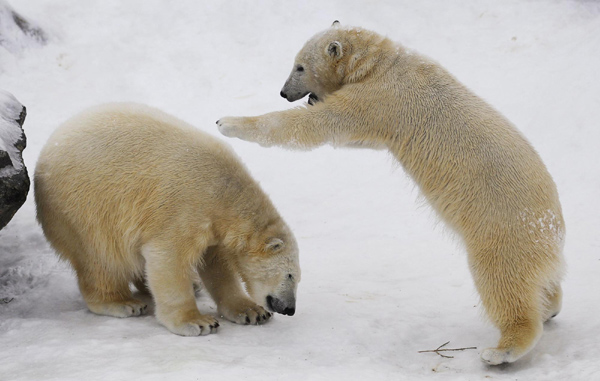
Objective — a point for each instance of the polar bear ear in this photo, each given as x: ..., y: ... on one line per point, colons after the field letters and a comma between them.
x: 274, y: 245
x: 336, y: 24
x: 334, y: 49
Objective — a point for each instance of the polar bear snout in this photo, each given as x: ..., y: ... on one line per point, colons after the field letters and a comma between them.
x: 285, y: 306
x: 293, y: 96
x: 283, y: 299
x: 294, y: 88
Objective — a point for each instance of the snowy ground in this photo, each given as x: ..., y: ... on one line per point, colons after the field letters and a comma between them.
x: 382, y: 279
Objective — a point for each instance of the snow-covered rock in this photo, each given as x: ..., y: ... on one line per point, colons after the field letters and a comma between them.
x: 16, y: 32
x: 14, y: 181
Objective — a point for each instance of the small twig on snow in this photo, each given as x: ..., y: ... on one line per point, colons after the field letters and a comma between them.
x: 7, y: 300
x: 439, y: 349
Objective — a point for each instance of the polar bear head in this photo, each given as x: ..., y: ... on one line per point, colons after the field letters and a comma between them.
x: 327, y: 61
x: 270, y: 268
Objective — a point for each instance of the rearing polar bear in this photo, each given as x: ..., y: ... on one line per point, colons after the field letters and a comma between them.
x: 477, y: 171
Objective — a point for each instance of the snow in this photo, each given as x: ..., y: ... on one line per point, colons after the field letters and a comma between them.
x: 12, y: 37
x: 381, y: 278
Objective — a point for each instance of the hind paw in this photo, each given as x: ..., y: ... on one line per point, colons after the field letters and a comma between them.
x: 119, y: 309
x: 496, y: 356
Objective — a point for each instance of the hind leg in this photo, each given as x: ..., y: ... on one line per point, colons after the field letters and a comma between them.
x: 553, y: 298
x: 512, y: 303
x: 106, y: 292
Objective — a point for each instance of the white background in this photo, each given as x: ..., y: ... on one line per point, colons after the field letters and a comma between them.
x: 382, y: 279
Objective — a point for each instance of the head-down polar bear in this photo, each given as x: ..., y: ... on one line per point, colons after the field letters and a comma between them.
x: 127, y: 193
x: 477, y: 171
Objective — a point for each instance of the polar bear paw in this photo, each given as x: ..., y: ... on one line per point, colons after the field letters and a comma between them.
x: 122, y: 309
x: 198, y: 325
x: 235, y: 127
x: 497, y: 356
x: 246, y: 312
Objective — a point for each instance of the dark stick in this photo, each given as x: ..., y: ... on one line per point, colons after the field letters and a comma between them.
x: 439, y: 349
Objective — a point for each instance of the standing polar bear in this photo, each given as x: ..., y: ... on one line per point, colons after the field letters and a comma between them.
x: 127, y: 193
x: 476, y: 170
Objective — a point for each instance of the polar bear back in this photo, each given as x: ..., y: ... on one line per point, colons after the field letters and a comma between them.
x: 169, y: 175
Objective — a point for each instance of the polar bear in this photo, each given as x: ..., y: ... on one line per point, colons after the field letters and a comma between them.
x: 127, y: 193
x: 477, y: 171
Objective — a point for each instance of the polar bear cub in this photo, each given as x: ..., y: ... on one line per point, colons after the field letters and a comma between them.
x: 477, y: 171
x: 127, y: 193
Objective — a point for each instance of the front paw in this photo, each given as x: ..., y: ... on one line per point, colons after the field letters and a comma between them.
x: 192, y: 323
x: 235, y: 127
x: 246, y: 312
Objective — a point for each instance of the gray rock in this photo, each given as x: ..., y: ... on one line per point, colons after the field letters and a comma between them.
x: 14, y: 180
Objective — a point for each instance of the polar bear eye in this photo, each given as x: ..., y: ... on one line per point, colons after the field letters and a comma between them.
x: 299, y: 68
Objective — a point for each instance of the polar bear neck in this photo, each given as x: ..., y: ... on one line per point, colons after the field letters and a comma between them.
x: 248, y: 214
x: 367, y: 55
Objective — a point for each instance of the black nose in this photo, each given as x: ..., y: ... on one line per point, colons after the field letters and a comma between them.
x: 283, y: 95
x: 281, y: 307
